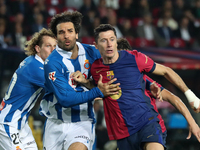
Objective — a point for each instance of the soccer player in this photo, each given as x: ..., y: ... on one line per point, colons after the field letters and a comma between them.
x: 25, y: 87
x: 123, y: 44
x: 130, y: 117
x: 67, y: 105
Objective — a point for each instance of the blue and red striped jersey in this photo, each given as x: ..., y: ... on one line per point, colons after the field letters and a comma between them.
x: 153, y: 102
x: 131, y: 109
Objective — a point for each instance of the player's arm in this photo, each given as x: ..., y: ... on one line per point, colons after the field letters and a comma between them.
x: 106, y: 88
x: 175, y: 79
x: 178, y: 104
x: 65, y: 91
x: 154, y: 89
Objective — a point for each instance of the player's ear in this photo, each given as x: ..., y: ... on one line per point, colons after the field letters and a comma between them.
x: 37, y: 48
x: 95, y: 44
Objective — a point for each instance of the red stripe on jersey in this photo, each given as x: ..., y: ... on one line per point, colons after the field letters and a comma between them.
x: 153, y: 103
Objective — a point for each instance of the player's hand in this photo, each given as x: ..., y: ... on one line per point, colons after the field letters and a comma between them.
x: 78, y: 77
x: 156, y: 91
x: 108, y: 88
x: 192, y: 106
x: 193, y: 100
x: 195, y: 130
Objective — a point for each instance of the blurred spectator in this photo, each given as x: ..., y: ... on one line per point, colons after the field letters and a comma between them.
x: 18, y: 37
x: 179, y: 7
x: 38, y: 24
x: 89, y: 11
x: 5, y: 38
x: 167, y: 5
x: 74, y: 3
x: 148, y: 31
x: 172, y: 23
x: 19, y: 19
x: 95, y: 24
x: 42, y: 8
x: 196, y: 9
x: 164, y: 31
x: 20, y: 6
x: 87, y: 6
x: 112, y: 19
x: 185, y: 32
x: 102, y: 8
x: 4, y: 11
x: 193, y: 21
x: 114, y: 4
x: 127, y: 29
x: 127, y: 9
x: 142, y: 8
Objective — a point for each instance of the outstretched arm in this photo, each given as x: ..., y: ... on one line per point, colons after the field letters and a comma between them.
x: 175, y: 79
x: 178, y: 104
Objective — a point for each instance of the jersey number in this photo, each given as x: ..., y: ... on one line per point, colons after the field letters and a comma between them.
x: 15, y: 136
x: 11, y: 86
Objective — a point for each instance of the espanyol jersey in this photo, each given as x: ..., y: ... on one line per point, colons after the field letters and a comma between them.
x: 65, y: 99
x: 25, y: 87
x: 153, y: 102
x: 127, y: 112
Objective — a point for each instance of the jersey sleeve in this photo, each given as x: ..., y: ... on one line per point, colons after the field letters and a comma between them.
x: 37, y: 78
x: 144, y: 63
x: 56, y: 82
x: 149, y: 81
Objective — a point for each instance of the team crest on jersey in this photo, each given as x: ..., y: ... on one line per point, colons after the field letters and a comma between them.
x: 87, y: 64
x: 18, y: 148
x: 110, y: 75
x: 52, y: 76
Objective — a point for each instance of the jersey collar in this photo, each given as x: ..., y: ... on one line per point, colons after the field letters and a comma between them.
x: 39, y: 59
x: 81, y: 50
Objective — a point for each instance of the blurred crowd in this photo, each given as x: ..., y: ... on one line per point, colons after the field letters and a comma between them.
x: 159, y: 23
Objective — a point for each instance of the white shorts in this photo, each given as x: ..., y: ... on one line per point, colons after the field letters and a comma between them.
x: 15, y: 139
x: 59, y: 135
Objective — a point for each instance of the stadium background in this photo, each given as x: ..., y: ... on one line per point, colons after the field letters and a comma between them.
x: 19, y: 19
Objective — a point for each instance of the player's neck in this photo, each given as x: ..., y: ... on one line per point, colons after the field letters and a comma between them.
x: 74, y: 52
x: 110, y: 60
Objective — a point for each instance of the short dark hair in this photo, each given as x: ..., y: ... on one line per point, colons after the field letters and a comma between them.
x: 74, y: 17
x: 123, y: 44
x: 103, y: 28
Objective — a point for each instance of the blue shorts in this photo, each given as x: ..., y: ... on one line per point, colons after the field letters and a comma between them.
x: 149, y: 133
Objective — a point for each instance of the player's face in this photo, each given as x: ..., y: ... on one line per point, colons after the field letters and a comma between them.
x: 48, y: 45
x: 107, y: 45
x: 66, y: 36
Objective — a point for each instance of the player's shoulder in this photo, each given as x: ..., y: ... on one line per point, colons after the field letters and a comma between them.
x: 30, y: 66
x: 90, y: 48
x: 53, y: 58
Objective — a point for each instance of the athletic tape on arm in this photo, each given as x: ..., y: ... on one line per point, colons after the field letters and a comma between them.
x: 192, y: 98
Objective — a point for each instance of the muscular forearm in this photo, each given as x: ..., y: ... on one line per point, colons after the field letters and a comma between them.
x: 171, y: 76
x: 178, y: 104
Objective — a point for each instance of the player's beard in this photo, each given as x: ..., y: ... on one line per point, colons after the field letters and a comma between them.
x: 70, y: 47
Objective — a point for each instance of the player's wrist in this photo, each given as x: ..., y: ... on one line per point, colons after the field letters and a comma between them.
x: 191, y: 97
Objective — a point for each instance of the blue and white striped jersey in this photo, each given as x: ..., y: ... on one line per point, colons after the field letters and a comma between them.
x: 25, y: 87
x: 65, y: 99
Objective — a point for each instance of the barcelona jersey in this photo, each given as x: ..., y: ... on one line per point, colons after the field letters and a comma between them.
x: 129, y: 110
x: 153, y: 102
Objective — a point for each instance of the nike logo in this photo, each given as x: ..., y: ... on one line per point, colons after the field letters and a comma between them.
x: 41, y: 68
x: 98, y: 71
